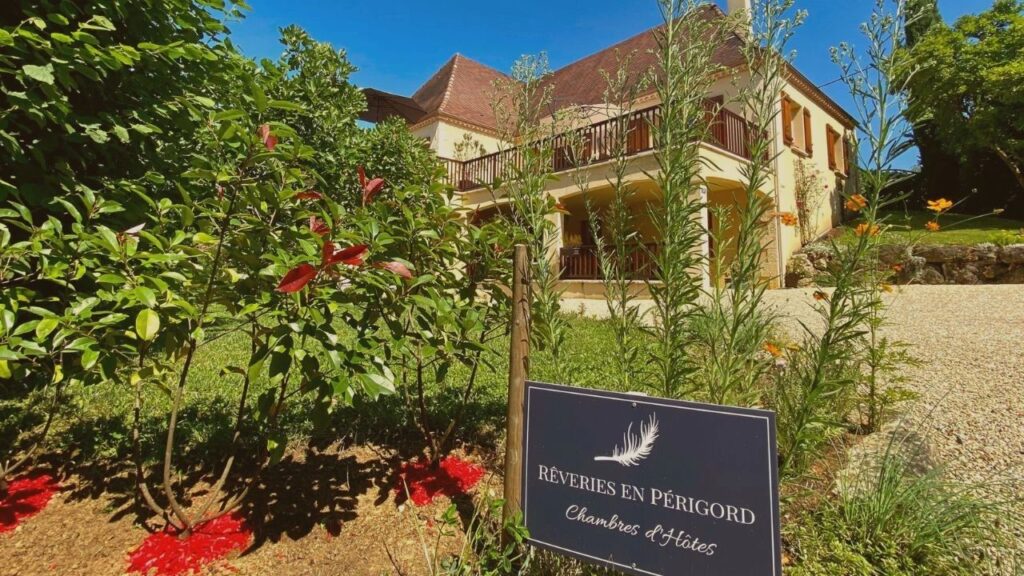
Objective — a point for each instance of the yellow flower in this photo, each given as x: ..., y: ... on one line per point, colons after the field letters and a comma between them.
x: 856, y: 203
x: 772, y: 349
x: 865, y: 228
x: 788, y: 218
x: 932, y: 226
x: 886, y: 287
x: 939, y: 206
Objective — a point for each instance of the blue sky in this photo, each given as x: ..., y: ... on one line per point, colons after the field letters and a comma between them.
x: 398, y: 44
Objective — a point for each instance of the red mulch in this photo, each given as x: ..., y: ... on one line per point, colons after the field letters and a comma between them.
x: 453, y: 476
x: 165, y: 554
x: 26, y: 497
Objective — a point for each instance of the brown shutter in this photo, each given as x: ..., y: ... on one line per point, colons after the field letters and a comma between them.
x: 846, y: 155
x: 808, y: 140
x: 830, y: 140
x: 787, y: 120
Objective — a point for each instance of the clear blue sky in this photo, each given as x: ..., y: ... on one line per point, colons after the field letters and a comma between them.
x: 398, y: 44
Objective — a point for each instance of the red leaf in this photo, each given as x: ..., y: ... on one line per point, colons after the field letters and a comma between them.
x: 317, y: 226
x: 269, y: 140
x: 309, y: 195
x: 396, y: 267
x: 352, y: 256
x: 362, y: 176
x: 326, y: 253
x: 371, y: 189
x: 296, y: 278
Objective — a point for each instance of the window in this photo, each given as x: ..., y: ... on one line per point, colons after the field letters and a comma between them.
x: 838, y: 151
x: 796, y: 126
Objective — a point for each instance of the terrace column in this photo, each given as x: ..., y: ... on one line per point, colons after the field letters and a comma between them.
x: 555, y: 250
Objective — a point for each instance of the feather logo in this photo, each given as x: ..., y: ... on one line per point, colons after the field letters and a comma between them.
x: 634, y: 447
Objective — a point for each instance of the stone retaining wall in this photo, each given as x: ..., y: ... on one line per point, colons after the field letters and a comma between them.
x: 924, y: 264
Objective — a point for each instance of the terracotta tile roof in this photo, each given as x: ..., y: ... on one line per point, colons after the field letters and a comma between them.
x: 462, y: 89
x: 582, y: 83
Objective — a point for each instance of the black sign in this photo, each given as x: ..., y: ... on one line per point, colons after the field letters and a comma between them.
x: 651, y: 486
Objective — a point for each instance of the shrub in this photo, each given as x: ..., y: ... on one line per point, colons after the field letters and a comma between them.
x: 892, y: 520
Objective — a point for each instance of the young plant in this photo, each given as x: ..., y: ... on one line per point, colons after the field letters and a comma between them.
x: 616, y: 240
x: 893, y: 518
x: 816, y: 392
x: 735, y: 322
x: 522, y: 107
x: 686, y: 69
x: 435, y: 315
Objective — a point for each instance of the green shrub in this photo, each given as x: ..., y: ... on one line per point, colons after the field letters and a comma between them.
x: 891, y: 520
x: 1007, y: 237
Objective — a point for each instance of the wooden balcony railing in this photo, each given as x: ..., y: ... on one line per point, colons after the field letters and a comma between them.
x: 729, y: 132
x: 582, y: 262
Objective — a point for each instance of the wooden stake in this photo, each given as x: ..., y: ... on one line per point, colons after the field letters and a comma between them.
x: 519, y: 369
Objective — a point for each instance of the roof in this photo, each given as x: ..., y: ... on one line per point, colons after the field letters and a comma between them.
x: 582, y: 83
x: 462, y: 89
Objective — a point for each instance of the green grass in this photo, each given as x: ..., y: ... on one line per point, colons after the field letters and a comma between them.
x: 909, y: 227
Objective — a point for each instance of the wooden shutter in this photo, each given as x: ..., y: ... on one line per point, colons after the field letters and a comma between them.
x: 846, y: 156
x: 830, y: 140
x: 787, y: 120
x: 808, y: 140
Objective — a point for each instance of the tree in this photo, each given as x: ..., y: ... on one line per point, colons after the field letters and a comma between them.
x: 940, y: 167
x: 967, y: 81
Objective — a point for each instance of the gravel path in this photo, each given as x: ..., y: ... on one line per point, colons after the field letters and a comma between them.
x: 970, y: 341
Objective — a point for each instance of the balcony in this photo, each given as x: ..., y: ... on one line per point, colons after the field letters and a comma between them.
x: 582, y: 263
x: 730, y: 132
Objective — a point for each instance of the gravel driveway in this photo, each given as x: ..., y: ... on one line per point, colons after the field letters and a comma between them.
x: 970, y: 341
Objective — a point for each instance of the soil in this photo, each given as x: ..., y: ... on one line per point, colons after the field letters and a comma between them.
x: 329, y: 512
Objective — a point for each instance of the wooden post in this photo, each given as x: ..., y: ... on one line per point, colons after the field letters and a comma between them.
x: 519, y: 368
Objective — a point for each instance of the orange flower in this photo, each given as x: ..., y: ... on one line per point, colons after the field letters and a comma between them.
x: 939, y: 206
x: 819, y: 295
x: 788, y: 218
x: 932, y: 226
x: 772, y: 349
x: 897, y: 267
x: 865, y: 228
x: 559, y: 207
x: 856, y: 203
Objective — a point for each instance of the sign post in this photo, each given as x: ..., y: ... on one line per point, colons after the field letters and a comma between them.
x: 519, y: 367
x: 649, y: 486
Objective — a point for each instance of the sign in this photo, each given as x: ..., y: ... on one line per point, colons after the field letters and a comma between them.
x: 651, y: 486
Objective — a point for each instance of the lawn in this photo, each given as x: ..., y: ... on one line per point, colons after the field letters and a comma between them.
x: 909, y: 227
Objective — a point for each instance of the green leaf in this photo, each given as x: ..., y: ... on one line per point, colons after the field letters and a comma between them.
x: 5, y: 38
x: 5, y: 369
x: 375, y: 385
x: 89, y: 358
x: 260, y: 98
x: 275, y: 447
x: 285, y: 105
x: 228, y: 115
x: 147, y: 324
x: 42, y: 74
x: 45, y: 326
x: 122, y: 134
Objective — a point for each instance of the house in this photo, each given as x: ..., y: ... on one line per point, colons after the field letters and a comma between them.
x: 453, y: 111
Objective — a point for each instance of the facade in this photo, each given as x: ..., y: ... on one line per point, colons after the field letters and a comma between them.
x: 453, y: 111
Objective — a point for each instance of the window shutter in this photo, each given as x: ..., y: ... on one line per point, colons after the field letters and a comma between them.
x: 808, y: 140
x: 830, y: 140
x: 846, y: 156
x: 787, y: 120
